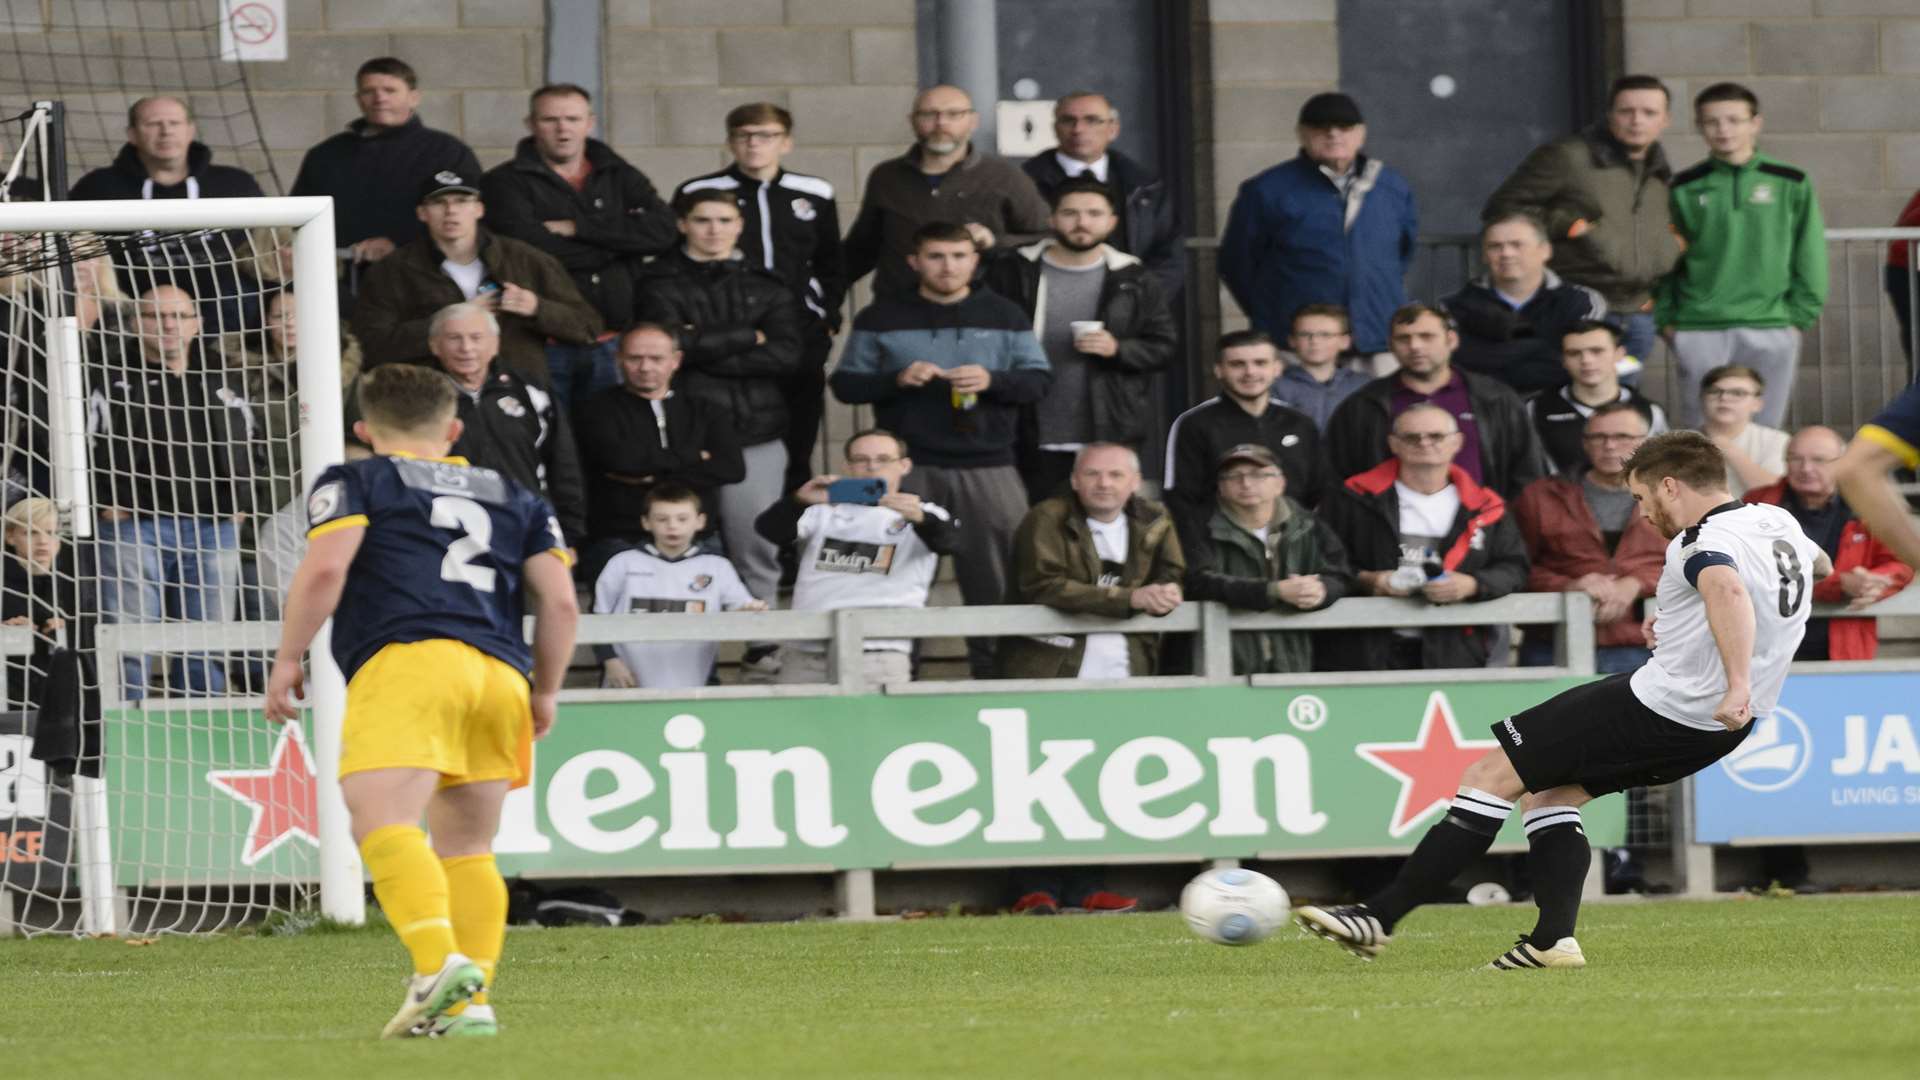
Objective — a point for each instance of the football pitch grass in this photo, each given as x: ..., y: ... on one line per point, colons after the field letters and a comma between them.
x: 1789, y: 987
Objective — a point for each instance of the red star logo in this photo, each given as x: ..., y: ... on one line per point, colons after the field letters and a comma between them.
x: 1428, y: 768
x: 281, y: 795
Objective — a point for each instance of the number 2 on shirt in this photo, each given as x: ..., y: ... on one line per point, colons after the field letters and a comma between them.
x: 454, y: 512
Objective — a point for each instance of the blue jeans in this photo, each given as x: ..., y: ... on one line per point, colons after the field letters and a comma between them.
x: 582, y: 370
x: 1637, y: 333
x: 1607, y: 659
x: 163, y: 568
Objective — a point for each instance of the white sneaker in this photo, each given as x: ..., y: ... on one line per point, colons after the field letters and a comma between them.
x: 430, y: 995
x: 1525, y: 957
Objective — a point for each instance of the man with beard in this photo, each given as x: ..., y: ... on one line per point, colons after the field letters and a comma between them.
x: 1247, y: 411
x: 944, y: 178
x: 1103, y: 322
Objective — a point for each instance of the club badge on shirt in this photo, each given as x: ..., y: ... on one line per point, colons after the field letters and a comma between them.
x: 512, y: 407
x: 700, y: 582
x: 803, y: 209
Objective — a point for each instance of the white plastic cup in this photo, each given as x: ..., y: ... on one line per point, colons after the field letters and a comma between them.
x: 1082, y: 327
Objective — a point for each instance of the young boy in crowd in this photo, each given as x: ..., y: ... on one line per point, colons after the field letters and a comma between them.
x: 669, y: 573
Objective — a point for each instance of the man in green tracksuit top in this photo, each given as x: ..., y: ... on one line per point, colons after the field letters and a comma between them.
x: 1754, y: 274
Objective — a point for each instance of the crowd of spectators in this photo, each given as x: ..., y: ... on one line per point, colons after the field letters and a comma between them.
x: 658, y: 370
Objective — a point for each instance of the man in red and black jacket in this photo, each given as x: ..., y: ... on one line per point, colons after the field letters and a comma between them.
x: 1418, y: 525
x: 1865, y: 570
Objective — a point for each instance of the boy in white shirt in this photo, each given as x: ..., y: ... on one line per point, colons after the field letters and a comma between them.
x: 1731, y: 396
x: 669, y: 573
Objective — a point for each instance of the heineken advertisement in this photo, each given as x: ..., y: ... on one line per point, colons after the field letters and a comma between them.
x: 870, y: 781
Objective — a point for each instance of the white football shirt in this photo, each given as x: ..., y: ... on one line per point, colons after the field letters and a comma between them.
x: 855, y: 556
x: 642, y: 580
x: 1763, y: 543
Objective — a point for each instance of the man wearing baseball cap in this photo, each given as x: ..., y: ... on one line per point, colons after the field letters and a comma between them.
x: 528, y: 292
x: 1331, y: 226
x: 1261, y: 551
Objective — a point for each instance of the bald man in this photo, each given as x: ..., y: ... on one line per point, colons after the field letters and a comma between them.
x: 944, y: 177
x: 1865, y: 571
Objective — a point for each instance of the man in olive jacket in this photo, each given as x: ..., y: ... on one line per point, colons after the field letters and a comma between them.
x: 1102, y: 550
x: 1261, y: 551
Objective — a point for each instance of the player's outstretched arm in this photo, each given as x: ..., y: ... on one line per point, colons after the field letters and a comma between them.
x: 1730, y: 617
x: 556, y: 615
x: 311, y: 598
x: 1866, y: 482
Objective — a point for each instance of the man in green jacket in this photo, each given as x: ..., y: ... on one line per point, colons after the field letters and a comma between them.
x: 1603, y: 194
x: 1101, y: 550
x: 1261, y: 551
x: 1755, y: 270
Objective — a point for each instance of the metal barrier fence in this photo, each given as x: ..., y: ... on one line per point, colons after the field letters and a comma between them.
x: 1851, y: 362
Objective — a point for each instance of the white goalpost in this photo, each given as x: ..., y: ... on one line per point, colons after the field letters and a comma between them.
x: 184, y: 812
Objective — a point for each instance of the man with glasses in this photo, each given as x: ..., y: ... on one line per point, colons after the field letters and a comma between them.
x: 1261, y: 551
x: 1086, y: 124
x: 1497, y: 446
x: 1331, y: 226
x: 1585, y: 534
x: 791, y: 230
x: 1318, y: 377
x: 571, y: 196
x: 943, y: 178
x: 1418, y: 525
x: 858, y: 550
x: 1591, y: 352
x: 1865, y: 571
x: 1731, y: 396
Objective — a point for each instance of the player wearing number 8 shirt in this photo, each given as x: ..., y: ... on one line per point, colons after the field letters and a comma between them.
x: 1733, y: 602
x: 422, y: 560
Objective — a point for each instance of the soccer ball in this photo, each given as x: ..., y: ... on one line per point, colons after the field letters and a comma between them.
x: 1234, y: 906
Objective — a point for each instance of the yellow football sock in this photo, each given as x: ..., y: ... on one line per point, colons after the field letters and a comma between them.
x: 478, y: 907
x: 412, y: 890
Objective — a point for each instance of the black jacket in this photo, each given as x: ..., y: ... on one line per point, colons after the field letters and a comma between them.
x: 1561, y: 425
x: 127, y: 178
x: 514, y: 427
x: 617, y: 219
x: 68, y: 594
x: 374, y: 176
x: 1203, y: 433
x: 717, y: 307
x: 898, y: 199
x: 1148, y: 227
x: 1510, y: 456
x: 171, y: 443
x: 1484, y: 542
x: 1520, y: 348
x: 1135, y: 311
x: 624, y: 452
x: 797, y: 213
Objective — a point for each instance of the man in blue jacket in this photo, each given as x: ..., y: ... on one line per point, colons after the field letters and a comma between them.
x: 947, y: 368
x: 1332, y: 226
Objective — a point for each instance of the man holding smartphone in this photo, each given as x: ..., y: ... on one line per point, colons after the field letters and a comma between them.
x: 863, y: 543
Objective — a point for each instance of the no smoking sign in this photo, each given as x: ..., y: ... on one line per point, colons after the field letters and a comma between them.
x: 253, y: 30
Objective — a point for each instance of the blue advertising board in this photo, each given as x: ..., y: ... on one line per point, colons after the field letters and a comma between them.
x: 1839, y: 759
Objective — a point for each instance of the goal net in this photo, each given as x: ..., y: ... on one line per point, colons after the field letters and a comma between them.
x: 172, y: 378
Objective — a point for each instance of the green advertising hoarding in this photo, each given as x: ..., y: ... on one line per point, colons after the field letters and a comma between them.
x: 874, y: 781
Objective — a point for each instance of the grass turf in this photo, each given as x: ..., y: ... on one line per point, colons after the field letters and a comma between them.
x: 1800, y: 987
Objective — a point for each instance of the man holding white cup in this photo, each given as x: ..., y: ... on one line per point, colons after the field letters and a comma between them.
x: 1103, y: 321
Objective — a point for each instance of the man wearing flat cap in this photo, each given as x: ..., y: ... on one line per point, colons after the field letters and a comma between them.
x: 1259, y: 550
x: 527, y: 290
x: 1331, y: 226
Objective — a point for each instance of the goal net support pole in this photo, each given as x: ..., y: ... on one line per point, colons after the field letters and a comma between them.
x: 320, y: 445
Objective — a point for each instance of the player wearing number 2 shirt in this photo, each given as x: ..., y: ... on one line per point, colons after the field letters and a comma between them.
x: 1891, y: 440
x: 426, y: 565
x: 1733, y: 602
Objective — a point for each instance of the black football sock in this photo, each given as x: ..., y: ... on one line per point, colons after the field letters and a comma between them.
x: 1557, y: 859
x: 1456, y: 840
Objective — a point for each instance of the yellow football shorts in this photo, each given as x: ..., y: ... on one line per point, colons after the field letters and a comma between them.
x: 442, y: 705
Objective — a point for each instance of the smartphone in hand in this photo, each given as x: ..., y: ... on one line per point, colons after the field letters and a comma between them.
x: 857, y: 490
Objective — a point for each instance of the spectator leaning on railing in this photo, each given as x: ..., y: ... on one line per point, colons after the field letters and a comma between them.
x: 1865, y: 571
x: 1101, y: 550
x: 1418, y: 525
x: 1261, y: 551
x: 1584, y: 533
x: 871, y: 548
x: 672, y: 572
